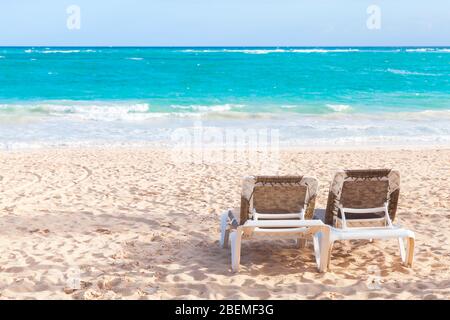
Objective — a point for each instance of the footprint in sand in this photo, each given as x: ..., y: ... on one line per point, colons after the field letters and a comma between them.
x: 40, y: 231
x: 103, y: 231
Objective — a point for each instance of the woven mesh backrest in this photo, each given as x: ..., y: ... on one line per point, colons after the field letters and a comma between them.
x: 279, y: 198
x: 363, y: 189
x: 278, y: 194
x: 364, y: 194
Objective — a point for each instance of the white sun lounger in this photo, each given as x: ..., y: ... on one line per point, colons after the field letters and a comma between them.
x: 361, y: 206
x: 403, y: 236
x: 284, y: 228
x: 323, y: 237
x: 274, y: 206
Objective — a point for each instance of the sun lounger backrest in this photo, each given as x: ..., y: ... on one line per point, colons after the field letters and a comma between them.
x: 363, y: 189
x: 279, y: 198
x: 278, y: 194
x: 364, y: 194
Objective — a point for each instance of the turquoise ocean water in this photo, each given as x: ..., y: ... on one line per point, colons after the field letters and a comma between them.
x: 313, y: 96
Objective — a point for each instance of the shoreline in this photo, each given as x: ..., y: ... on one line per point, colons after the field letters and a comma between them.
x: 282, y: 148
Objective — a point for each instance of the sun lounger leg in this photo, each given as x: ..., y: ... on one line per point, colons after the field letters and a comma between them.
x: 328, y: 261
x: 321, y: 241
x: 409, y: 252
x: 301, y: 243
x: 236, y: 237
x: 317, y: 248
x: 224, y: 231
x: 401, y: 245
x: 325, y: 252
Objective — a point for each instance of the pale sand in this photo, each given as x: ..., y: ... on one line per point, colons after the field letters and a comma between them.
x: 140, y: 225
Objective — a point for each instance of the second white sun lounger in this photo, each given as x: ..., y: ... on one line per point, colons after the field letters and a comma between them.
x: 362, y: 205
x: 274, y: 206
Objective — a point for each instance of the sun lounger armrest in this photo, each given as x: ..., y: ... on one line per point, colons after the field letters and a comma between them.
x: 282, y: 223
x: 232, y: 220
x: 370, y: 233
x: 365, y: 210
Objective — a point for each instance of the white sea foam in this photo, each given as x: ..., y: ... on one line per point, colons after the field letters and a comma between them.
x: 310, y: 50
x: 420, y: 50
x: 428, y: 50
x: 288, y: 106
x: 128, y: 123
x: 247, y: 51
x: 379, y: 117
x: 209, y: 108
x: 302, y: 131
x: 419, y: 115
x: 125, y: 111
x: 339, y: 107
x: 60, y: 51
x: 411, y: 73
x: 104, y: 108
x: 47, y: 51
x: 323, y: 50
x: 314, y: 50
x: 267, y: 51
x: 259, y: 51
x: 135, y: 58
x: 110, y: 112
x: 86, y: 111
x: 105, y: 111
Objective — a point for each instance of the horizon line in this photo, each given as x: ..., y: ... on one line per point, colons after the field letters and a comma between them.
x: 224, y: 46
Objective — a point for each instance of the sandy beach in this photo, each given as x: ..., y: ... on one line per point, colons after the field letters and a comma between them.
x: 138, y: 224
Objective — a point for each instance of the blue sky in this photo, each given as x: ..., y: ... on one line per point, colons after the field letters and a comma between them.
x: 225, y: 23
